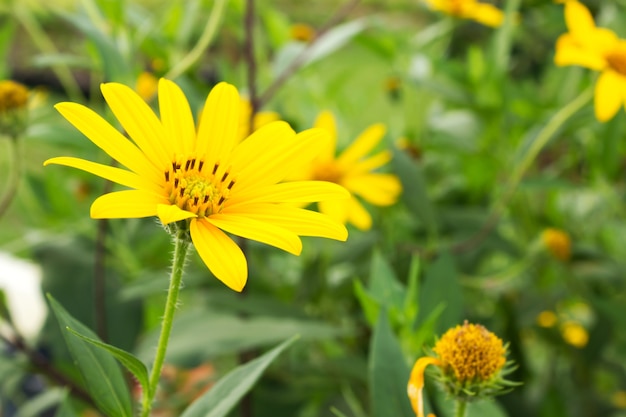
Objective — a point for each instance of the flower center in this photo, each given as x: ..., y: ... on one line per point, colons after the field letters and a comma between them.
x: 191, y: 186
x: 617, y: 61
x: 328, y: 172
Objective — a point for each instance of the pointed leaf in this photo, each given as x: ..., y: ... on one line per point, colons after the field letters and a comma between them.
x: 388, y: 373
x: 225, y: 394
x: 133, y: 364
x: 101, y: 373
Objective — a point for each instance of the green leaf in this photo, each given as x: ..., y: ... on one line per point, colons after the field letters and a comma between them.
x: 102, y: 375
x: 225, y: 394
x: 441, y: 287
x: 388, y: 373
x: 417, y: 199
x: 383, y: 284
x: 66, y: 409
x: 369, y: 304
x: 41, y: 403
x: 133, y: 364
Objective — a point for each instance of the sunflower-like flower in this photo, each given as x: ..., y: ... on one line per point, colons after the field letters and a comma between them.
x: 598, y: 49
x: 205, y: 182
x: 471, y: 362
x: 558, y: 243
x: 484, y: 13
x: 353, y: 170
x: 13, y: 107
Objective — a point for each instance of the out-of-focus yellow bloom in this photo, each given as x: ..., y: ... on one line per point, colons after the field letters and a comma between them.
x: 547, y: 319
x: 13, y: 108
x: 598, y: 49
x: 260, y: 119
x: 205, y: 182
x: 147, y: 85
x: 353, y: 169
x: 302, y: 32
x: 558, y: 243
x: 574, y: 334
x: 618, y: 399
x: 483, y: 13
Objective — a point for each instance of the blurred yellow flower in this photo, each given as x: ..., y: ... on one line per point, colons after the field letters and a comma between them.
x: 484, y: 13
x: 598, y: 49
x: 574, y: 334
x: 618, y: 399
x: 302, y: 32
x: 205, y: 182
x: 13, y: 108
x: 547, y: 319
x: 147, y: 85
x: 260, y: 119
x: 353, y: 170
x: 558, y: 243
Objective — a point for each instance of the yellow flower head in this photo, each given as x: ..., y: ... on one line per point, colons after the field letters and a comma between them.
x: 574, y: 334
x: 302, y: 32
x: 353, y: 170
x: 547, y: 319
x: 598, y: 49
x: 483, y: 13
x: 470, y: 353
x: 13, y: 108
x: 205, y: 181
x: 147, y: 85
x: 558, y: 243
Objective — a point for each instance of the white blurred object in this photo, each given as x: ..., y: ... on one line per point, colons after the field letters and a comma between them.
x: 20, y: 281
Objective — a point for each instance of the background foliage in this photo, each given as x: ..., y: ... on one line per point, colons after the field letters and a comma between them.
x: 463, y: 105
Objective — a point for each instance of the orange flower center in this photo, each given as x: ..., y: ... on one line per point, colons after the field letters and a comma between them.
x: 328, y: 171
x: 193, y: 189
x: 617, y: 61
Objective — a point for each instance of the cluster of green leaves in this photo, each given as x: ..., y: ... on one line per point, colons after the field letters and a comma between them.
x: 464, y: 242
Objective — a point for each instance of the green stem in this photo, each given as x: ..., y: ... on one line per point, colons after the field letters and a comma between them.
x: 542, y: 138
x: 203, y: 43
x: 460, y: 409
x: 181, y: 245
x: 9, y: 194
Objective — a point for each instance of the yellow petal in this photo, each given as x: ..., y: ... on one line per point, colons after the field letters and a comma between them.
x: 570, y: 52
x: 487, y: 14
x: 364, y: 143
x: 117, y: 175
x: 357, y: 215
x: 416, y: 383
x: 335, y: 209
x: 139, y: 121
x: 291, y: 192
x: 609, y: 94
x: 219, y: 124
x: 169, y: 213
x: 177, y: 120
x: 371, y: 163
x: 248, y: 228
x: 111, y: 141
x: 578, y: 19
x: 128, y: 204
x: 299, y: 221
x: 220, y: 254
x: 325, y: 120
x: 378, y: 189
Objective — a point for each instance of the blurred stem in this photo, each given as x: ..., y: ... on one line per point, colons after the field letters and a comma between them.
x: 45, y: 45
x: 14, y: 177
x: 251, y: 63
x: 542, y: 138
x: 461, y: 408
x: 203, y: 43
x: 181, y: 246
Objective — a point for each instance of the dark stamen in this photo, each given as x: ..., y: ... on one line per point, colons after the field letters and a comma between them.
x: 224, y: 176
x: 177, y: 166
x: 182, y: 191
x: 230, y: 185
x: 174, y: 166
x: 221, y: 200
x: 187, y: 165
x: 206, y: 198
x: 167, y: 176
x: 200, y: 165
x: 215, y: 168
x: 195, y: 200
x: 193, y: 163
x: 175, y: 182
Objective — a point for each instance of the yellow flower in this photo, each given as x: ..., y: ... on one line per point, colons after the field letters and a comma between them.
x: 205, y: 181
x: 598, y: 49
x: 353, y: 170
x: 147, y: 85
x: 574, y: 334
x: 416, y: 383
x: 484, y: 13
x: 13, y: 108
x: 260, y: 119
x: 547, y: 319
x: 558, y: 243
x: 302, y: 32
